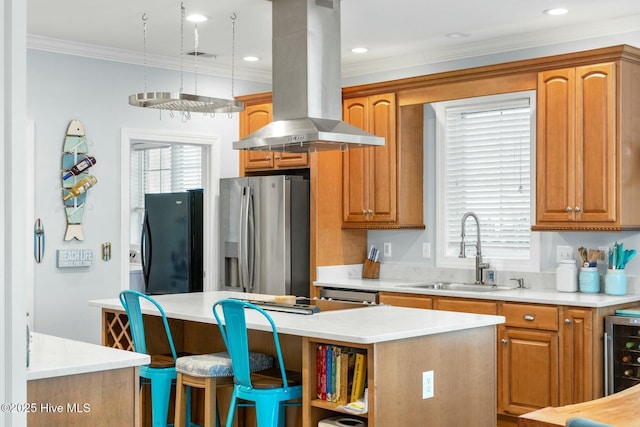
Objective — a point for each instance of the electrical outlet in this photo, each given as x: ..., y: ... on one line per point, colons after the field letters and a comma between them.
x: 387, y: 249
x: 563, y: 253
x: 426, y: 250
x: 427, y: 385
x: 604, y: 254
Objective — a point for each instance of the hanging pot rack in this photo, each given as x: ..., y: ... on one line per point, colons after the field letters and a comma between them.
x: 185, y: 102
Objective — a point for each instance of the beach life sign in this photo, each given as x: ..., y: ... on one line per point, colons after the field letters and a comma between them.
x: 73, y: 258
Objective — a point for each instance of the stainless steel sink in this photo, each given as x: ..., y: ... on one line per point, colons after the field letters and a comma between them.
x: 465, y: 287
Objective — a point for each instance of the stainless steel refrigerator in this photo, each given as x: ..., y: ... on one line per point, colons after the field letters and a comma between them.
x: 172, y: 242
x: 264, y: 235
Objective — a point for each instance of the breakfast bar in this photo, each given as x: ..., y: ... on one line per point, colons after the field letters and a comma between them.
x: 402, y: 346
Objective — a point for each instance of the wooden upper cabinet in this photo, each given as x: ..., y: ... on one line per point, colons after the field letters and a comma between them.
x: 373, y: 196
x: 370, y: 172
x: 582, y: 138
x: 255, y: 117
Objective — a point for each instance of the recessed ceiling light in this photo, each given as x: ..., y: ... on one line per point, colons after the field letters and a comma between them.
x: 457, y: 35
x: 359, y: 50
x: 196, y: 17
x: 251, y: 58
x: 556, y: 11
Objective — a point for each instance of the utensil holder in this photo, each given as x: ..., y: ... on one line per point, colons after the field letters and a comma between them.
x: 615, y: 282
x: 371, y: 269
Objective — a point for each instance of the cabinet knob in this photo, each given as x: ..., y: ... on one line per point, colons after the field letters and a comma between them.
x: 505, y: 341
x: 370, y: 211
x: 568, y: 209
x: 529, y: 317
x: 567, y: 321
x: 364, y: 211
x: 577, y: 209
x: 268, y: 158
x: 277, y: 157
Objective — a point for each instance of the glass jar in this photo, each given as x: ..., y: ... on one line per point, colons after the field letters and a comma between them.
x: 589, y: 280
x: 615, y: 282
x: 567, y: 276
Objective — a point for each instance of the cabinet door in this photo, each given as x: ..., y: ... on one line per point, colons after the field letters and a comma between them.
x: 370, y: 173
x: 253, y: 118
x: 596, y: 143
x: 528, y: 370
x: 555, y: 149
x: 405, y: 300
x: 466, y: 306
x: 577, y: 358
x: 382, y: 160
x: 292, y: 160
x: 355, y: 203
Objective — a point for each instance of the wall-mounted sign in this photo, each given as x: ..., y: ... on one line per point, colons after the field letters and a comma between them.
x: 66, y: 258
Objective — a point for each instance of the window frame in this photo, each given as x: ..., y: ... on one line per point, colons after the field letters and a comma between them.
x: 443, y: 260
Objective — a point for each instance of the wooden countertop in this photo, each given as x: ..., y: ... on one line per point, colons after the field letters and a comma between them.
x: 621, y: 409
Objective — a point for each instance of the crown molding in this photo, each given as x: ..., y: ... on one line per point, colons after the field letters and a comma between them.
x: 498, y: 45
x: 429, y: 56
x: 67, y: 47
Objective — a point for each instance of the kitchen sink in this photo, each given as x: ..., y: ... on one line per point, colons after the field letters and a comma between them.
x: 466, y: 287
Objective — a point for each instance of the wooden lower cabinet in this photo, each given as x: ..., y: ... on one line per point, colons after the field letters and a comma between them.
x: 548, y: 355
x: 527, y: 371
x: 577, y: 361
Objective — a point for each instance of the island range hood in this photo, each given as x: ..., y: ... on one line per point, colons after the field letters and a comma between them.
x: 307, y: 94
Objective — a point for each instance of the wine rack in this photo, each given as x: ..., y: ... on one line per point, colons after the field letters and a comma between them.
x: 623, y: 356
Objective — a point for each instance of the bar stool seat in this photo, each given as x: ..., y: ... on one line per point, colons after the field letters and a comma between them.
x: 208, y: 371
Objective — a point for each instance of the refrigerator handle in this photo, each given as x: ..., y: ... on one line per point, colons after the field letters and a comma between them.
x: 251, y: 240
x: 243, y: 240
x: 145, y: 238
x: 606, y: 364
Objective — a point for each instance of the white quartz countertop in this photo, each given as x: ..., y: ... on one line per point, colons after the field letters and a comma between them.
x: 541, y: 296
x: 366, y: 325
x: 55, y: 357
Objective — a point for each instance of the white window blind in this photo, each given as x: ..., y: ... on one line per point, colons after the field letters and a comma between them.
x: 161, y: 169
x: 486, y: 169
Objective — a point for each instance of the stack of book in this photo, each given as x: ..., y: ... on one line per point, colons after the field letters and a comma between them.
x: 341, y: 373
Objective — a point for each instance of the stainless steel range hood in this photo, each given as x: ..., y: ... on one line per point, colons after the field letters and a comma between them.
x: 307, y: 94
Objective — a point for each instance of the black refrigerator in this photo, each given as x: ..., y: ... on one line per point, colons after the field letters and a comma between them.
x: 171, y: 244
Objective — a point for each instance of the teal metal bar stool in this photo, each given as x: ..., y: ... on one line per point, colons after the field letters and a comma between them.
x: 583, y: 422
x: 269, y: 391
x: 161, y: 372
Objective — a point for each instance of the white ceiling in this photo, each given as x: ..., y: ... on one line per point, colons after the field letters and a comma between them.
x: 398, y: 33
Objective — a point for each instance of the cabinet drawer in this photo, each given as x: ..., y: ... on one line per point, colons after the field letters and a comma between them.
x: 531, y: 316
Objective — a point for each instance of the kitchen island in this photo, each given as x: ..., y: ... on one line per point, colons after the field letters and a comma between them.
x: 401, y: 344
x: 76, y: 383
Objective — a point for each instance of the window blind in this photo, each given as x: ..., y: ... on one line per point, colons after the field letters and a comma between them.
x: 487, y: 171
x: 161, y: 169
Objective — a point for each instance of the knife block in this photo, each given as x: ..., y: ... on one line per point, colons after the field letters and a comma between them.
x: 371, y: 269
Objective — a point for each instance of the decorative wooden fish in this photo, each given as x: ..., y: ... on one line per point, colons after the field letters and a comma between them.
x: 75, y: 180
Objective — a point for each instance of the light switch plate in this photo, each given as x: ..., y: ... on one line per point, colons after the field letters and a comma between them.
x: 564, y: 253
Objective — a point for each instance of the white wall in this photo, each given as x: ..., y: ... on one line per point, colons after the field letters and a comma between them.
x: 64, y: 87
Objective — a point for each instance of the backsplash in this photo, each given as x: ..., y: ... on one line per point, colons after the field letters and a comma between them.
x: 408, y: 272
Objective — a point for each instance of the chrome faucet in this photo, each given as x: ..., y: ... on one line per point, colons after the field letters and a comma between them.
x: 479, y: 264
